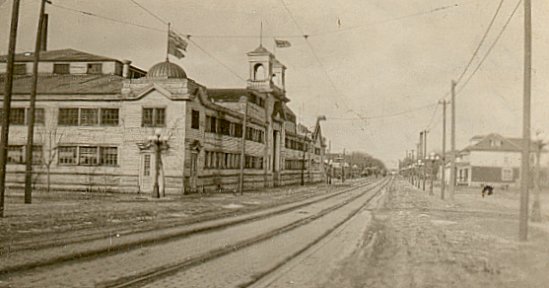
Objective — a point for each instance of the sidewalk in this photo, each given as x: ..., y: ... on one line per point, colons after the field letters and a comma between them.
x: 423, y: 241
x: 87, y: 225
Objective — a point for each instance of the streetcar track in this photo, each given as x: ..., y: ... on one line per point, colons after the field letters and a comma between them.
x: 316, y: 241
x: 88, y: 237
x: 111, y: 250
x: 167, y: 270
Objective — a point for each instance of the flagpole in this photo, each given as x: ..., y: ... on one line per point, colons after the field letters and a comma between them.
x: 168, y: 44
x: 274, y: 46
x: 261, y: 34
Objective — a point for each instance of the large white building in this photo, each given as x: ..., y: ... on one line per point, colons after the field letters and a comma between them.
x: 492, y: 159
x: 96, y: 116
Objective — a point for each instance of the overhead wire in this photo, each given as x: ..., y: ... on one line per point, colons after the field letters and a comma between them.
x: 504, y: 27
x: 216, y: 59
x: 155, y: 29
x: 149, y: 12
x: 429, y: 126
x: 330, y: 80
x: 415, y: 109
x: 90, y: 14
x: 422, y: 13
x: 481, y: 42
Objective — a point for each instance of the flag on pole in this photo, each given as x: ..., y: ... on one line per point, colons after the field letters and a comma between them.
x: 176, y: 45
x: 282, y: 43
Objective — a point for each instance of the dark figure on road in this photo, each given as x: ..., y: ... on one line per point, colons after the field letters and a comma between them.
x: 487, y: 190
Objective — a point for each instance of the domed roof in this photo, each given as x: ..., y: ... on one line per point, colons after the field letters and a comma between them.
x: 166, y: 70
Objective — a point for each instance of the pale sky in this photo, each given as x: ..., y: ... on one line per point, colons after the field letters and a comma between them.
x: 382, y: 63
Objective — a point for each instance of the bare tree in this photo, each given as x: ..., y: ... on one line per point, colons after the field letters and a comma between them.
x: 53, y: 138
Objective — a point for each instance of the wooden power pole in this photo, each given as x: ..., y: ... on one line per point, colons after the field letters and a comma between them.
x: 32, y: 104
x: 443, y: 158
x: 525, y: 163
x: 7, y: 102
x: 243, y: 147
x: 453, y: 142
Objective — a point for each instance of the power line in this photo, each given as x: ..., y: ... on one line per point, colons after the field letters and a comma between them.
x: 385, y: 115
x: 432, y: 118
x: 153, y: 29
x: 150, y: 12
x: 481, y: 41
x: 216, y: 59
x: 491, y: 47
x: 330, y: 80
x: 435, y: 10
x: 90, y: 14
x: 193, y: 42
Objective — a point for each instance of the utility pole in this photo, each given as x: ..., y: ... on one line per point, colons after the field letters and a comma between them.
x: 443, y: 158
x: 525, y: 163
x: 303, y: 160
x: 343, y: 168
x: 453, y: 142
x: 243, y: 146
x: 424, y: 158
x: 412, y: 172
x: 32, y: 104
x: 7, y: 102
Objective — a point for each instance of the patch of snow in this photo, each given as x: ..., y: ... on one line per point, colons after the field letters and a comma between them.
x: 232, y: 206
x: 443, y: 222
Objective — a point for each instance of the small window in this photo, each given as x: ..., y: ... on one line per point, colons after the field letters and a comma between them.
x: 109, y: 156
x: 89, y: 117
x: 147, y: 120
x: 224, y: 127
x: 109, y: 117
x: 20, y: 69
x: 147, y: 165
x: 67, y: 155
x: 61, y: 68
x: 39, y: 116
x: 195, y: 119
x: 507, y: 174
x: 17, y: 116
x: 88, y: 156
x: 68, y: 116
x: 213, y: 124
x: 237, y: 130
x: 15, y: 154
x: 95, y: 68
x: 154, y: 117
x: 160, y: 117
x: 37, y: 154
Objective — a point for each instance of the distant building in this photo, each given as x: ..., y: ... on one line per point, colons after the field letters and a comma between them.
x: 95, y: 116
x: 491, y: 159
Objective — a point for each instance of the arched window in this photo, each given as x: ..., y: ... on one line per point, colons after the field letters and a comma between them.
x: 275, y: 80
x: 259, y: 72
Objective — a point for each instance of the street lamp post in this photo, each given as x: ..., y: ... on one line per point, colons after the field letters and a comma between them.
x: 540, y: 141
x: 303, y: 160
x: 433, y: 158
x: 419, y: 169
x: 158, y: 143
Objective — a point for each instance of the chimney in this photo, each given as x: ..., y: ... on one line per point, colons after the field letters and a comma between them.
x: 44, y: 34
x: 126, y: 68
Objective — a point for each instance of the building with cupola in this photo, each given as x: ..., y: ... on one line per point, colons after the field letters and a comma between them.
x: 96, y: 117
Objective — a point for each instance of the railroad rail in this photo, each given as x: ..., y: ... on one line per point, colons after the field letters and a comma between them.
x: 370, y: 192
